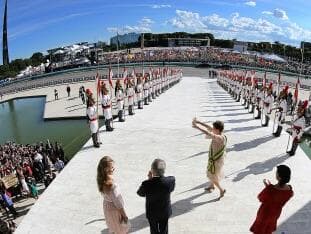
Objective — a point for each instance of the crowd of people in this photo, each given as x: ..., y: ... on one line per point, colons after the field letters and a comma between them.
x: 207, y: 55
x: 23, y: 167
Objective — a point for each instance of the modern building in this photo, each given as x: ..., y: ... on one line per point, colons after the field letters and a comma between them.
x: 5, y: 48
x: 124, y: 39
x: 240, y: 46
x: 192, y: 42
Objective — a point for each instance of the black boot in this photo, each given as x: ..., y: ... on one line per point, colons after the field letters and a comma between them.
x: 108, y: 125
x: 294, y: 148
x: 266, y: 118
x: 120, y: 115
x: 149, y: 98
x: 253, y: 109
x: 259, y: 114
x: 278, y: 131
x: 131, y: 110
x: 146, y: 101
x: 95, y: 140
x: 140, y: 106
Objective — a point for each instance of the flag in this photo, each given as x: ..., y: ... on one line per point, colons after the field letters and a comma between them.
x: 296, y: 90
x: 125, y: 78
x: 134, y: 73
x: 253, y: 78
x: 142, y: 41
x: 118, y: 41
x: 264, y: 80
x: 279, y: 79
x: 110, y: 75
x: 98, y: 84
x: 150, y: 72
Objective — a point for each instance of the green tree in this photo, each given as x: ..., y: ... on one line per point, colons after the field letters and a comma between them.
x: 37, y: 58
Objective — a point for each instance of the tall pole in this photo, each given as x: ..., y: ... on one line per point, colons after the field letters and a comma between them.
x: 118, y: 53
x: 5, y: 49
x: 142, y: 42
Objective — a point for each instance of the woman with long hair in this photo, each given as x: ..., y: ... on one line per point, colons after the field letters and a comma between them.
x: 116, y: 218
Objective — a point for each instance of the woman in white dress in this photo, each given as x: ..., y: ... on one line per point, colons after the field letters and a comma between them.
x: 115, y: 216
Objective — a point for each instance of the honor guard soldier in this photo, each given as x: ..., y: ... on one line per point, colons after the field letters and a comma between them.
x: 89, y: 95
x: 268, y: 102
x: 150, y: 89
x: 259, y: 102
x: 139, y: 91
x: 146, y: 91
x: 107, y: 109
x: 119, y: 94
x: 91, y: 113
x: 280, y: 113
x: 130, y: 95
x: 298, y: 126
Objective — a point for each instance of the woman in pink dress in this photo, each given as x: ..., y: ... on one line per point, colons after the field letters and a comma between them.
x: 116, y: 218
x: 272, y: 198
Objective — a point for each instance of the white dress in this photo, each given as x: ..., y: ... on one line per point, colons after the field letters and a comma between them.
x: 113, y: 201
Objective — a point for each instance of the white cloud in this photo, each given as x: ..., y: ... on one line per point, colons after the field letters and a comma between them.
x: 216, y: 20
x: 188, y: 20
x: 143, y: 26
x: 250, y: 3
x: 267, y: 13
x: 281, y: 14
x: 161, y: 6
x: 240, y: 27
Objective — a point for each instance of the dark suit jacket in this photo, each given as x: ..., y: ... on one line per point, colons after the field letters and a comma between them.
x: 158, y: 196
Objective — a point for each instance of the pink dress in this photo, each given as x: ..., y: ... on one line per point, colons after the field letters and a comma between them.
x: 113, y: 201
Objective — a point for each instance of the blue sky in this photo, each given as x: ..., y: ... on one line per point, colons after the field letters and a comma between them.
x: 38, y: 25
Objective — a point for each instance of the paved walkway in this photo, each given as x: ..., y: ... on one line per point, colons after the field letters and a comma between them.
x: 72, y: 204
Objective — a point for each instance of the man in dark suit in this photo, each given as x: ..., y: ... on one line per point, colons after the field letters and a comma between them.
x: 157, y: 190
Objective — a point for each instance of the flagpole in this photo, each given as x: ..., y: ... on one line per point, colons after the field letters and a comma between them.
x: 118, y: 53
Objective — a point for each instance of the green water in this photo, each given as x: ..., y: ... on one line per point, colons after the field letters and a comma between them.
x: 22, y: 121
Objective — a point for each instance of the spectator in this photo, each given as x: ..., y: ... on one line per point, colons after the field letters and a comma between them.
x: 157, y: 190
x: 7, y: 201
x: 59, y: 165
x: 33, y: 188
x: 56, y: 94
x: 68, y: 90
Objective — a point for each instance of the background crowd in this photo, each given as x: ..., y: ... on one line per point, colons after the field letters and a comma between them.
x: 23, y: 168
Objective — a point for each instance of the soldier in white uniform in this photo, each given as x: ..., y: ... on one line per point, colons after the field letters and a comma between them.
x: 259, y: 102
x: 280, y: 113
x: 139, y: 92
x: 268, y: 102
x: 119, y: 94
x: 297, y: 128
x: 130, y: 95
x: 146, y: 91
x: 107, y: 109
x: 91, y: 113
x: 150, y: 84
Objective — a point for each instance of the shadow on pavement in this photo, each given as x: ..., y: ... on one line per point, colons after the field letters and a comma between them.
x: 180, y: 207
x: 242, y: 129
x: 299, y: 222
x: 250, y: 144
x: 193, y: 156
x: 260, y: 167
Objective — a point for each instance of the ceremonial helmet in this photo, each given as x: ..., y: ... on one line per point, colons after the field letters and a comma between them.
x: 88, y: 91
x: 286, y: 89
x: 302, y: 108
